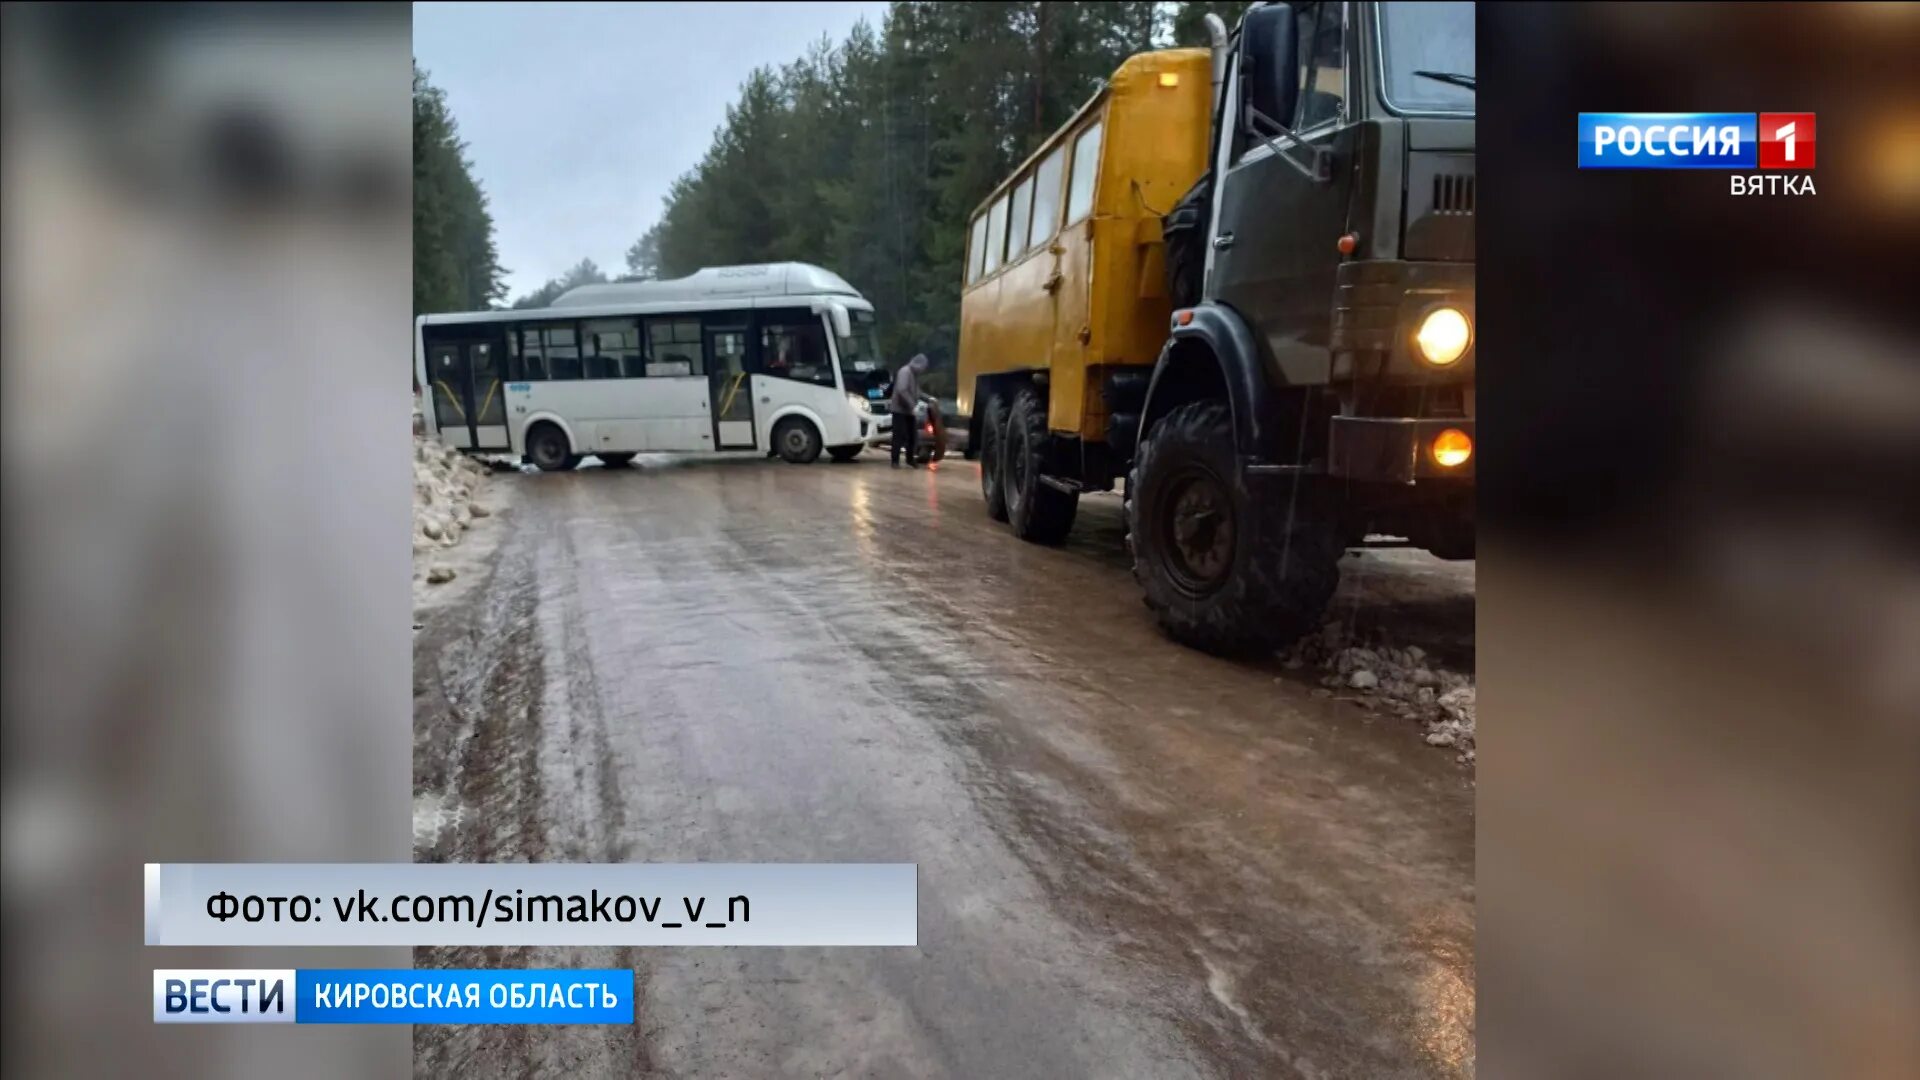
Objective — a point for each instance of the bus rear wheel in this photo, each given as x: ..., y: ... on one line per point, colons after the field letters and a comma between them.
x: 797, y: 441
x: 1225, y: 569
x: 993, y: 437
x: 1038, y: 512
x: 548, y: 449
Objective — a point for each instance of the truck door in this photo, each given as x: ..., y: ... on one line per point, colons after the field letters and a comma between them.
x: 1275, y: 226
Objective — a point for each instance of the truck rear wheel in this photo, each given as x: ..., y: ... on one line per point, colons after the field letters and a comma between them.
x: 993, y: 440
x: 1038, y: 512
x: 1225, y: 571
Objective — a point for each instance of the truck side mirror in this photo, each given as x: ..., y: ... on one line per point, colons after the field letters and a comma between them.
x: 1269, y: 68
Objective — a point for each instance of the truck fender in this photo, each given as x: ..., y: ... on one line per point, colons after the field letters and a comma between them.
x: 1213, y: 354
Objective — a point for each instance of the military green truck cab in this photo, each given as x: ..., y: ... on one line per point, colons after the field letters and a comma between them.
x: 1317, y: 382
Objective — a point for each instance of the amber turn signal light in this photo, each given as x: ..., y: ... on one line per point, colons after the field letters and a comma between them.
x: 1348, y: 243
x: 1452, y: 448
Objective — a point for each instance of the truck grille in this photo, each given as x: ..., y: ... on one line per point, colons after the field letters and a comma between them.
x: 1453, y: 194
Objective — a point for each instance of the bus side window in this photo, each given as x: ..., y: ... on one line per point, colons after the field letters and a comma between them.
x: 563, y: 353
x: 534, y: 354
x: 613, y: 349
x: 674, y: 348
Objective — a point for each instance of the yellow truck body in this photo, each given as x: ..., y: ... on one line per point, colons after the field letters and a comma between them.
x: 1078, y: 298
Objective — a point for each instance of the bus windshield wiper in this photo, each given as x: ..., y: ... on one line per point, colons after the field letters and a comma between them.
x: 1453, y: 77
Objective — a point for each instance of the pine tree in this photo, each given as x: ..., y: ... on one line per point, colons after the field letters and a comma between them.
x: 456, y: 266
x: 1189, y: 22
x: 870, y: 156
x: 583, y: 272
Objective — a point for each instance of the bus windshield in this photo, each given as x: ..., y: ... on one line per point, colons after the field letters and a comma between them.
x: 861, y: 369
x: 1428, y: 56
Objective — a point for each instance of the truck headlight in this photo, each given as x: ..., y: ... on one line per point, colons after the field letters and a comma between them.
x: 1452, y: 447
x: 1444, y: 336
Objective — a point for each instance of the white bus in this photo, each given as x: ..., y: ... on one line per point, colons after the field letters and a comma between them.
x: 780, y: 357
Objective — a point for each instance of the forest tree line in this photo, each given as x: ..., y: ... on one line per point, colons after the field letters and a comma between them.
x: 866, y: 155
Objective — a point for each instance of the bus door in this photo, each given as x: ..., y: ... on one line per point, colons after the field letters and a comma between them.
x: 469, y: 405
x: 730, y: 385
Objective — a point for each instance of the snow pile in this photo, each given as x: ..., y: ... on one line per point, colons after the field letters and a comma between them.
x: 1396, y: 680
x: 445, y: 483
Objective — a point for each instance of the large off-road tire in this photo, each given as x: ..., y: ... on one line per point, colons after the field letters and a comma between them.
x: 548, y: 449
x: 616, y: 461
x: 1037, y: 512
x: 797, y: 440
x: 993, y: 442
x: 1185, y: 229
x: 1225, y: 571
x: 844, y: 454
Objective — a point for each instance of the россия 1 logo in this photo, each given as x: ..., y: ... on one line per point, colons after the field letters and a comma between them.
x: 1737, y: 141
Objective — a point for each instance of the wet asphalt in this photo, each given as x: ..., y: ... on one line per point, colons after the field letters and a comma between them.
x: 1134, y: 859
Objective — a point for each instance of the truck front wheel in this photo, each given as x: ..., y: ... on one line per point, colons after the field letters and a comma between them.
x: 1226, y: 570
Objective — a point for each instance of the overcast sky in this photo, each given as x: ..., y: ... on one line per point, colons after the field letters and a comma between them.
x: 578, y: 117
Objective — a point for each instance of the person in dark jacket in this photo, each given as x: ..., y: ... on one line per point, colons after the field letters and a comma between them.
x: 906, y: 394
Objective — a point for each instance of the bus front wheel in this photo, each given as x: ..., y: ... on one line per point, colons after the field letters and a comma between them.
x: 797, y: 441
x: 548, y: 449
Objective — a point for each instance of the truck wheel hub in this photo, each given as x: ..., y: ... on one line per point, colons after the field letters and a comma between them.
x: 1200, y: 532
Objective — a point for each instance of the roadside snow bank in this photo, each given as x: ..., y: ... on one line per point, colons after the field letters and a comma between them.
x: 446, y: 484
x: 1396, y: 680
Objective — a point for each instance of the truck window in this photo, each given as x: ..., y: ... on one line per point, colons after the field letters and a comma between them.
x: 996, y: 235
x: 1017, y: 219
x: 1086, y: 161
x: 1046, y: 198
x: 1323, y: 77
x: 1432, y: 38
x: 978, y: 251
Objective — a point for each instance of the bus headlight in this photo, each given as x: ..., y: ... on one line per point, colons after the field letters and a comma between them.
x: 1444, y: 336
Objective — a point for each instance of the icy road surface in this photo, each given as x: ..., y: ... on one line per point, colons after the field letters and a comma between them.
x: 1134, y: 860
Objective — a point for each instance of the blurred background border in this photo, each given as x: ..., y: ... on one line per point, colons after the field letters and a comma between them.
x: 1699, y: 618
x: 207, y: 498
